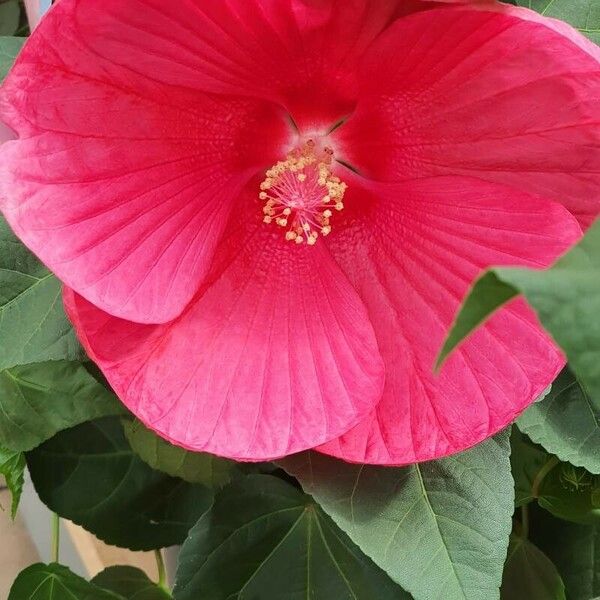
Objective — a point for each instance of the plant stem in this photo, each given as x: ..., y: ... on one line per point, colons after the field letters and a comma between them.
x: 537, y: 482
x: 525, y: 521
x: 162, y: 574
x: 55, y: 538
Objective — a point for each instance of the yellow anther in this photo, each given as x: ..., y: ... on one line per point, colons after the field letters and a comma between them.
x: 297, y: 191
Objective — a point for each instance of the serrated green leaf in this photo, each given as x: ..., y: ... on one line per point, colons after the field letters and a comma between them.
x: 10, y: 14
x: 90, y: 475
x: 566, y: 423
x: 33, y: 324
x: 574, y: 549
x: 566, y: 298
x: 440, y: 529
x: 529, y: 574
x: 195, y: 467
x: 55, y: 582
x: 263, y: 538
x: 39, y: 400
x: 12, y: 466
x: 130, y: 583
x: 582, y: 14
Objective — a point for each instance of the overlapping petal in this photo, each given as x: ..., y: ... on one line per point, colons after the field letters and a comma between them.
x: 493, y: 93
x: 275, y: 354
x: 121, y: 184
x: 300, y: 53
x: 412, y: 261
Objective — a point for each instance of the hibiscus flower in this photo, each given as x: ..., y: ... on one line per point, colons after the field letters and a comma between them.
x: 266, y: 212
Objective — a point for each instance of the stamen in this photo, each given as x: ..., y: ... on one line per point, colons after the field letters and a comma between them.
x: 299, y: 191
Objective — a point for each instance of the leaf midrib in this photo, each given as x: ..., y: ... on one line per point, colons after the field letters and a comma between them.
x: 25, y: 292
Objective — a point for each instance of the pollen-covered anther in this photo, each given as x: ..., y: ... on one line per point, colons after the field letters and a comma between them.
x: 299, y: 191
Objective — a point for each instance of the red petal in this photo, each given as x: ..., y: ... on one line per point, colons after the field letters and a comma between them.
x: 120, y: 184
x: 275, y: 355
x: 301, y: 53
x: 412, y: 262
x: 494, y: 95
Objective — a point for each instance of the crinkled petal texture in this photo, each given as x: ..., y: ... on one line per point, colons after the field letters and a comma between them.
x: 412, y: 263
x: 120, y: 183
x: 302, y: 54
x: 487, y: 93
x: 276, y: 353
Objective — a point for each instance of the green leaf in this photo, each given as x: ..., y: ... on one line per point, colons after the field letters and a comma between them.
x: 12, y: 466
x: 130, y: 583
x: 527, y: 461
x: 39, y: 400
x: 566, y: 298
x: 574, y: 549
x: 10, y: 14
x: 9, y: 48
x: 582, y: 14
x: 571, y: 493
x: 529, y: 574
x: 195, y: 467
x: 90, y: 475
x: 55, y: 582
x: 439, y: 529
x: 488, y: 294
x: 263, y: 538
x: 33, y: 324
x: 566, y: 491
x: 566, y: 423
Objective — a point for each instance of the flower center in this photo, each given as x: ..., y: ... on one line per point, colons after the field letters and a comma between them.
x: 300, y: 192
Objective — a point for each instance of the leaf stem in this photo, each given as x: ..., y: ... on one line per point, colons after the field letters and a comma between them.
x: 162, y: 573
x: 537, y: 482
x: 55, y: 551
x: 525, y: 521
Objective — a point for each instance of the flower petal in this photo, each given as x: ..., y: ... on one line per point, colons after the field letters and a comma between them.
x: 300, y: 53
x: 493, y: 94
x: 412, y: 262
x: 275, y: 355
x: 120, y: 184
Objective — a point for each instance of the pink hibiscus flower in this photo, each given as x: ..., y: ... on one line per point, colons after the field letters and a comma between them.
x: 267, y: 212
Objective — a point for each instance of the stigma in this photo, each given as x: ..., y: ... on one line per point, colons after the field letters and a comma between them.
x: 301, y: 192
